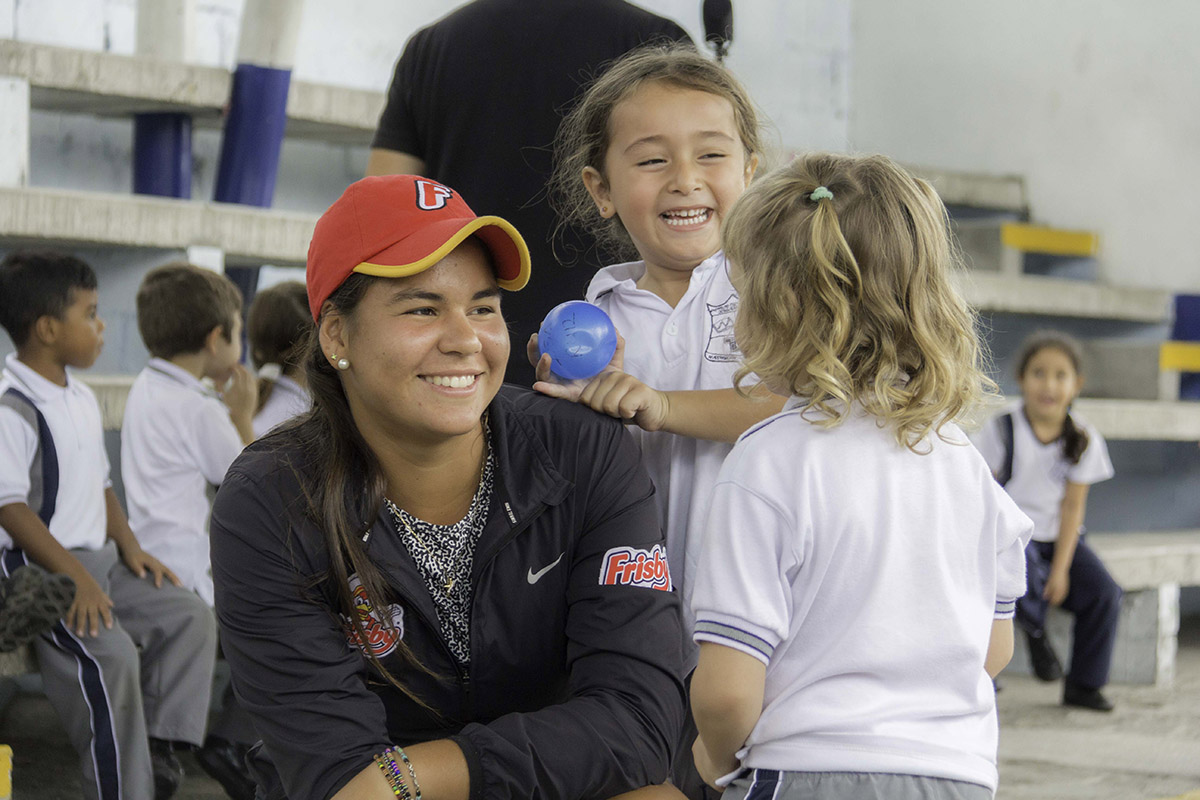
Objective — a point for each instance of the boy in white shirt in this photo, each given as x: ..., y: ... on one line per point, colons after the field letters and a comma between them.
x: 129, y: 668
x: 179, y: 438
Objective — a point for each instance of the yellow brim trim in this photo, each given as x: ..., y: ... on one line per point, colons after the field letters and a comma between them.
x: 404, y: 270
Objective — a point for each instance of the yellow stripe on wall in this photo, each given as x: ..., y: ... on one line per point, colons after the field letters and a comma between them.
x: 1179, y: 357
x: 1038, y: 239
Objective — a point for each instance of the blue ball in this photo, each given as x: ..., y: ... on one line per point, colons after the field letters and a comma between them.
x: 580, y: 339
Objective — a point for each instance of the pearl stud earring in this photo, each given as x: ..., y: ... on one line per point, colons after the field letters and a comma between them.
x: 341, y: 363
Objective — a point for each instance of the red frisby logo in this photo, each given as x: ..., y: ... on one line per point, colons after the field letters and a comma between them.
x: 629, y: 566
x: 431, y: 196
x: 381, y: 640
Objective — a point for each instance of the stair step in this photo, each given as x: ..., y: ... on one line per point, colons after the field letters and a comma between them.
x: 1056, y: 297
x: 110, y: 84
x: 1017, y: 248
x: 976, y: 189
x: 1142, y: 420
x: 246, y: 235
x: 1053, y: 241
x: 1138, y: 370
x: 1143, y: 560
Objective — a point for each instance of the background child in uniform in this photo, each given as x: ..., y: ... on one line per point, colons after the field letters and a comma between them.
x: 132, y: 658
x: 1046, y: 458
x: 179, y: 436
x: 859, y: 566
x: 277, y: 327
x: 178, y: 439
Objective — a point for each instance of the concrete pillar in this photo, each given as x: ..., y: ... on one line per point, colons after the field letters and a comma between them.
x: 14, y: 132
x: 162, y: 142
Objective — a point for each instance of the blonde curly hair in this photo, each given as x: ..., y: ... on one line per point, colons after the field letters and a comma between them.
x: 847, y: 299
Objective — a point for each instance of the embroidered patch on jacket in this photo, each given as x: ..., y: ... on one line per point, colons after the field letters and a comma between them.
x: 721, y: 344
x: 381, y: 640
x: 629, y: 566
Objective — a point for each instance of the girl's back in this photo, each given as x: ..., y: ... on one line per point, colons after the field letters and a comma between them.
x: 867, y: 574
x: 860, y: 565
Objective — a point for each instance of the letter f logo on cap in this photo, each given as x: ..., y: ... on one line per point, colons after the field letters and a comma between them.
x: 431, y: 196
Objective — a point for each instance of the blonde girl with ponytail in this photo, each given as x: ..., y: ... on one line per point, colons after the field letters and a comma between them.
x: 860, y: 566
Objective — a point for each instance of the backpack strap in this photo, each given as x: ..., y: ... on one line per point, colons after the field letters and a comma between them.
x: 1006, y: 439
x: 43, y: 471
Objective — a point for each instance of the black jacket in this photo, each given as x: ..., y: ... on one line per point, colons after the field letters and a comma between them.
x: 575, y: 686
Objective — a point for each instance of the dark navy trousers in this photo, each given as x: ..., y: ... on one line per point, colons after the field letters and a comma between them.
x: 1093, y: 597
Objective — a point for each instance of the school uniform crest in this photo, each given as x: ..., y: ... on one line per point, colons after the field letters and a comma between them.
x: 721, y: 343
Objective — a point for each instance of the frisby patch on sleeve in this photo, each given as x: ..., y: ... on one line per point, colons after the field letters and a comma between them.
x: 631, y: 566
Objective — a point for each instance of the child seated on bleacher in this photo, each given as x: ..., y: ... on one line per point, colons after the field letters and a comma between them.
x: 1047, y: 458
x: 178, y: 439
x: 129, y: 668
x: 277, y: 327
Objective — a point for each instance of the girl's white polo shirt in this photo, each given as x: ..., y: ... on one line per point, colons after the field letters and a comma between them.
x: 73, y: 416
x: 288, y: 399
x: 687, y: 347
x: 866, y: 577
x: 1040, y: 472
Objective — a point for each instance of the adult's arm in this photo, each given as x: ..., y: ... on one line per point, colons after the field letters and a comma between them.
x: 296, y: 675
x: 381, y: 161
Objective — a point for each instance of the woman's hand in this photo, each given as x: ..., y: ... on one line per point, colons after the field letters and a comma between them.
x: 1057, y: 586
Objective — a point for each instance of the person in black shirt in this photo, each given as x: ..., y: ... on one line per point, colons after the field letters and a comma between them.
x: 475, y: 102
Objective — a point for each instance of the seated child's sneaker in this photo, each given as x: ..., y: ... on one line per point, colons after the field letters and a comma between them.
x: 1085, y: 697
x: 168, y: 772
x: 31, y: 601
x: 1043, y: 658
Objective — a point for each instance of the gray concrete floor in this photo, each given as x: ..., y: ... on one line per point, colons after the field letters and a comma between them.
x: 1149, y: 748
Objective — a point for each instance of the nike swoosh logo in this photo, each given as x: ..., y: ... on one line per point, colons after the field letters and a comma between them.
x: 534, y: 577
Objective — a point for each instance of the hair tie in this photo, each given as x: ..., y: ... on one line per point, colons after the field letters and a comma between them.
x: 820, y: 193
x: 270, y: 372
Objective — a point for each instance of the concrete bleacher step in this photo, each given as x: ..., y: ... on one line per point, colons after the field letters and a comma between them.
x: 1150, y: 567
x: 1015, y: 248
x: 109, y: 84
x: 1056, y: 297
x: 1142, y: 420
x: 1138, y: 370
x: 245, y: 234
x: 975, y: 190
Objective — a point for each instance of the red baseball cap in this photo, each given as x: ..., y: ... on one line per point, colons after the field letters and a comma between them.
x: 393, y: 226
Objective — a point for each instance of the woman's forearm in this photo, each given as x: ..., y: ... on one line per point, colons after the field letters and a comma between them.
x: 440, y: 767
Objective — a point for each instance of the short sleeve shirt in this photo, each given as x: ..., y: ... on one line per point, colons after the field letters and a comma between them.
x: 73, y: 417
x: 176, y: 441
x: 1040, y: 472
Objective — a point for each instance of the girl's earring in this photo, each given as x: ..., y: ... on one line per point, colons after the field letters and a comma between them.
x: 341, y: 363
x: 603, y: 210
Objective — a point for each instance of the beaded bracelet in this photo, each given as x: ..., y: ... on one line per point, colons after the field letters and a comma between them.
x: 412, y: 773
x: 386, y: 762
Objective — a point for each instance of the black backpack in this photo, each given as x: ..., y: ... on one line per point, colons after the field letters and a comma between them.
x: 1006, y: 439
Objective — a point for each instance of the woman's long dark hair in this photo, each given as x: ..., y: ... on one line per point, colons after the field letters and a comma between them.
x: 1074, y: 438
x: 344, y: 488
